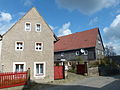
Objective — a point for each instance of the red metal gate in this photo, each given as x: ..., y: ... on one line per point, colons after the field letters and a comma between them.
x: 81, y: 69
x: 11, y: 79
x: 58, y: 72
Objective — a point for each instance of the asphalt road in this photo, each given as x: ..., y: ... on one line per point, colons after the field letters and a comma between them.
x: 92, y: 83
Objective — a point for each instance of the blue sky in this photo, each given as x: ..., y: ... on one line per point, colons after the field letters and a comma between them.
x: 69, y: 16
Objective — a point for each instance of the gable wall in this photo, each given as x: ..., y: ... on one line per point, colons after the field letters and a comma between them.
x: 29, y: 55
x: 99, y: 47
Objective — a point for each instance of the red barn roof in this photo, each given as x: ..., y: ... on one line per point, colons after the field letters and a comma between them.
x: 84, y: 39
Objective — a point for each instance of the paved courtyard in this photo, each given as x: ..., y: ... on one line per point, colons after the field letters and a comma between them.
x: 92, y: 83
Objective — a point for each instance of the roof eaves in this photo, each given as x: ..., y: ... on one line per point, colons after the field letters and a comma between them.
x: 72, y: 49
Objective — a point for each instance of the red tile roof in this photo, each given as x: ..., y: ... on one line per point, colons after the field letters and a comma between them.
x: 84, y: 39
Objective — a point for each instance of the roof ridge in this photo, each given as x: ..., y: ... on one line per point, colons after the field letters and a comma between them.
x: 80, y: 32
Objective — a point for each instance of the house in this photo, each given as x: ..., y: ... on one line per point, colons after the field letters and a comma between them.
x: 86, y: 44
x: 29, y: 43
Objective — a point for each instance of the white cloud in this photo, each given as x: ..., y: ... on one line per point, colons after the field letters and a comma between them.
x: 64, y: 30
x: 87, y: 6
x: 93, y: 21
x: 116, y: 46
x: 113, y: 31
x: 5, y: 22
x: 28, y: 2
x: 6, y: 17
x: 118, y: 11
x: 5, y: 27
x: 53, y: 27
x: 21, y: 13
x: 112, y: 34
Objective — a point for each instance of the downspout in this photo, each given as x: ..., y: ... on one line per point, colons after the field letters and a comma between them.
x: 1, y: 66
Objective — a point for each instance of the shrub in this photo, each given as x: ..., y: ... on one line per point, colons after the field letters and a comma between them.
x: 94, y: 64
x: 72, y: 70
x: 107, y: 62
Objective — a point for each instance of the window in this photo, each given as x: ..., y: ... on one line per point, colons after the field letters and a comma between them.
x: 91, y: 55
x: 77, y: 53
x: 27, y: 26
x: 19, y: 66
x: 62, y: 54
x: 38, y: 27
x: 39, y: 69
x: 99, y: 41
x: 86, y: 52
x: 19, y: 45
x: 102, y: 53
x: 38, y: 46
x: 69, y: 63
x: 98, y: 51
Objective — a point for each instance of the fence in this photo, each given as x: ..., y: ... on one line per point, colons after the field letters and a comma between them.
x: 11, y: 79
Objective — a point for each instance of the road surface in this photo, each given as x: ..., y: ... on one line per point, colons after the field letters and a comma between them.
x: 92, y: 83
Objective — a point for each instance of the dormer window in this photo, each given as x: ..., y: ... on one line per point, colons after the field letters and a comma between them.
x: 38, y: 27
x: 27, y: 26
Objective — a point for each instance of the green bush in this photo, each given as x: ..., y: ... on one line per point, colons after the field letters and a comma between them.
x: 72, y: 70
x: 94, y: 64
x: 107, y: 62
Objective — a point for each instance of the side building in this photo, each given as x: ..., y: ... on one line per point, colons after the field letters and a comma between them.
x: 86, y: 44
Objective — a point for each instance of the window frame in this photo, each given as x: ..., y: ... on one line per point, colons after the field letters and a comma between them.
x: 62, y: 54
x: 44, y: 69
x: 14, y: 67
x: 99, y: 41
x: 86, y: 52
x: 77, y: 53
x: 16, y: 46
x: 36, y: 27
x: 25, y: 27
x: 98, y: 52
x: 41, y: 46
x: 102, y: 52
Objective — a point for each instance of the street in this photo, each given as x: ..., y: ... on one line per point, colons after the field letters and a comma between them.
x: 92, y: 83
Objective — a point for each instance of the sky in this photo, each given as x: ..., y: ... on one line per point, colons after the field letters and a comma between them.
x: 69, y: 16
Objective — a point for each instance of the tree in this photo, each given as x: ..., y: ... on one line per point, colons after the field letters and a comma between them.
x: 109, y: 51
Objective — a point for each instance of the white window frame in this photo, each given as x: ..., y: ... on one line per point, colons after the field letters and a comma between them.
x: 77, y: 52
x: 44, y: 69
x: 41, y: 46
x: 69, y: 63
x: 16, y: 46
x: 86, y: 52
x: 99, y: 42
x: 102, y: 52
x: 98, y: 52
x: 30, y: 27
x: 36, y: 27
x: 14, y: 67
x: 62, y: 54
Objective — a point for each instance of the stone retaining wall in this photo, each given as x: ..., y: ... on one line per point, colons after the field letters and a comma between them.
x: 93, y: 71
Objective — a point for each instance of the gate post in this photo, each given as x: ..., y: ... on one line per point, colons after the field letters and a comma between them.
x: 63, y: 70
x: 28, y: 78
x: 86, y: 67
